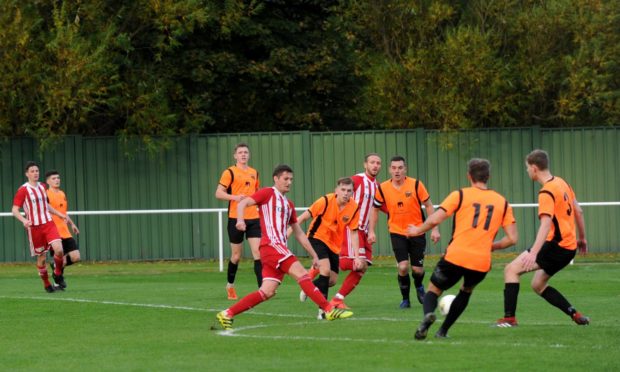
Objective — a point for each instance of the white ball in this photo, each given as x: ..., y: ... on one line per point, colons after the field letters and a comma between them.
x: 444, y: 304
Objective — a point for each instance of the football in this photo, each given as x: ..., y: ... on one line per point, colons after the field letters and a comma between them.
x: 444, y: 304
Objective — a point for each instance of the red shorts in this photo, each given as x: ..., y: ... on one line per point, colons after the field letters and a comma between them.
x: 276, y: 262
x: 365, y: 249
x: 40, y: 238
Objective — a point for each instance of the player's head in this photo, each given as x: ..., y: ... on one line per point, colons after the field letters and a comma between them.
x: 52, y: 178
x: 283, y: 178
x: 344, y: 189
x: 32, y: 171
x: 479, y: 170
x: 241, y: 153
x: 398, y: 168
x: 535, y: 162
x: 372, y: 164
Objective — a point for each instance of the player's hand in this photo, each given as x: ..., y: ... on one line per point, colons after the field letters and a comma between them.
x: 75, y: 229
x: 413, y: 230
x: 240, y: 225
x: 528, y: 261
x: 27, y: 224
x: 240, y: 197
x: 358, y: 264
x: 315, y: 262
x: 582, y: 246
x: 372, y: 238
x: 435, y: 235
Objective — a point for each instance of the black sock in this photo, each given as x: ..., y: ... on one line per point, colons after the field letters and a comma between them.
x: 456, y: 309
x: 511, y: 293
x: 555, y: 298
x: 430, y: 302
x: 69, y: 261
x: 405, y: 284
x: 417, y: 279
x: 258, y: 270
x: 232, y: 272
x: 322, y: 283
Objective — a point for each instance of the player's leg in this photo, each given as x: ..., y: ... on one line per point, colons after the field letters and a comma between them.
x: 253, y: 235
x: 38, y: 248
x: 58, y: 264
x: 417, y: 250
x: 323, y: 253
x: 400, y: 246
x: 551, y: 260
x: 43, y: 274
x: 236, y: 250
x: 512, y: 275
x: 471, y: 280
x: 71, y: 252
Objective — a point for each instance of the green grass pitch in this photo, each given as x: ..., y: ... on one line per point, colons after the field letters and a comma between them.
x: 157, y: 316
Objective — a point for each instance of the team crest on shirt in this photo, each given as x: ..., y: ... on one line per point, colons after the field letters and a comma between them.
x: 407, y: 194
x: 346, y: 219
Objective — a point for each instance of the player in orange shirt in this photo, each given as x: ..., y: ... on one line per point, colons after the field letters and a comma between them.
x: 58, y: 200
x: 555, y: 244
x: 478, y: 214
x: 236, y: 183
x: 402, y: 197
x: 333, y: 216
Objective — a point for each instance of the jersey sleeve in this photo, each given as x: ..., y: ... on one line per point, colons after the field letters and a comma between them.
x: 357, y: 181
x: 293, y: 218
x: 262, y: 195
x: 355, y: 220
x: 20, y: 197
x: 225, y: 179
x: 546, y: 203
x: 379, y: 200
x: 422, y: 192
x: 451, y: 203
x: 317, y: 207
x: 257, y: 181
x: 509, y: 217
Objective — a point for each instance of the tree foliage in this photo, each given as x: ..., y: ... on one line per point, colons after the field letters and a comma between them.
x: 158, y: 68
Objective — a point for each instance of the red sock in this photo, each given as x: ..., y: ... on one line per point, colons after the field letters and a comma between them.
x: 43, y: 275
x: 313, y: 292
x: 350, y: 282
x: 312, y: 273
x: 246, y: 303
x: 58, y: 265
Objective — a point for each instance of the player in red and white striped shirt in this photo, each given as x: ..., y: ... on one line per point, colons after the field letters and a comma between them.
x: 364, y: 187
x: 42, y: 232
x: 276, y: 214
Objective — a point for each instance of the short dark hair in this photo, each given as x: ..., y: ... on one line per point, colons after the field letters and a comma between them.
x: 50, y: 173
x: 479, y: 169
x: 344, y: 181
x: 281, y: 168
x: 539, y: 158
x: 398, y: 158
x: 240, y: 144
x: 371, y: 154
x: 30, y: 164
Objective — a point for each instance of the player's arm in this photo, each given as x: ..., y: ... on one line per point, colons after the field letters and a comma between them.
x: 582, y: 243
x: 372, y: 224
x: 74, y: 227
x: 431, y: 222
x: 22, y: 219
x: 529, y: 260
x: 246, y: 202
x: 56, y: 213
x: 222, y: 194
x: 435, y: 235
x: 510, y: 238
x: 301, y: 237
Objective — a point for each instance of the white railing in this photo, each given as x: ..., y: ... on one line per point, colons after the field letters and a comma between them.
x: 220, y: 216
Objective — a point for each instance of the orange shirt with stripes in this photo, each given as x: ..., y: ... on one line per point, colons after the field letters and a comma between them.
x: 240, y: 181
x: 557, y: 199
x: 403, y: 204
x: 329, y: 221
x: 478, y: 215
x: 58, y: 201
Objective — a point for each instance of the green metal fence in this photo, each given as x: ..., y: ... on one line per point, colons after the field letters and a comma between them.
x: 97, y: 175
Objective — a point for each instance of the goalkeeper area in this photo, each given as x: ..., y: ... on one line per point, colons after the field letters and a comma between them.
x: 157, y: 316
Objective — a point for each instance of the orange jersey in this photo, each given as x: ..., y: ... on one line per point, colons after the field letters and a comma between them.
x: 556, y: 199
x: 404, y: 205
x: 478, y: 215
x: 58, y: 201
x: 329, y: 222
x: 239, y: 181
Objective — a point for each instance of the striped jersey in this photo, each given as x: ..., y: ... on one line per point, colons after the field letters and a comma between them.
x: 364, y: 189
x: 276, y: 212
x: 33, y: 200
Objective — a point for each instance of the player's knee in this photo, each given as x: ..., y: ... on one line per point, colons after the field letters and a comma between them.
x: 268, y: 292
x: 538, y: 287
x: 403, y: 268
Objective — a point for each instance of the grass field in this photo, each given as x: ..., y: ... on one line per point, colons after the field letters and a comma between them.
x: 157, y: 316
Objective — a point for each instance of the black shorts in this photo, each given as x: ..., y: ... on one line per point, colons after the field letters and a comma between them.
x: 252, y: 230
x: 447, y: 274
x: 323, y: 251
x: 411, y: 249
x: 553, y: 258
x: 69, y: 245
